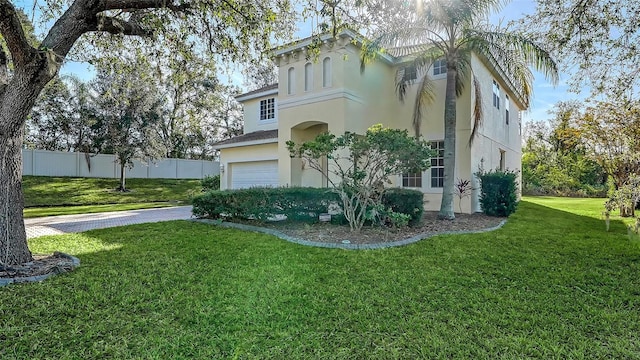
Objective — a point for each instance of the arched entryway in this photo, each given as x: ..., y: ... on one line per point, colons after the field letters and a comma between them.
x: 302, y: 174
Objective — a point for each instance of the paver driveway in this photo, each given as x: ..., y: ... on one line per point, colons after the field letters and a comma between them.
x: 55, y: 225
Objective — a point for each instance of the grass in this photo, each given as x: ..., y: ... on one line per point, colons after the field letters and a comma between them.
x: 550, y: 284
x: 46, y: 196
x: 590, y: 207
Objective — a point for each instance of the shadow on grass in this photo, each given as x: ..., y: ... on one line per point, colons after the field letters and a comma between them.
x: 549, y: 284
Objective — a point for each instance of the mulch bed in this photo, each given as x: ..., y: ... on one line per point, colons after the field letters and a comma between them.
x: 41, y: 265
x: 430, y: 225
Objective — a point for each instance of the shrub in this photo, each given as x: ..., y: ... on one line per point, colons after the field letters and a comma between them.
x: 398, y: 220
x: 498, y: 192
x: 405, y: 201
x: 362, y: 164
x: 298, y: 204
x: 210, y: 183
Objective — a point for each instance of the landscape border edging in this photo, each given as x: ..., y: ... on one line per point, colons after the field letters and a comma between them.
x: 374, y: 246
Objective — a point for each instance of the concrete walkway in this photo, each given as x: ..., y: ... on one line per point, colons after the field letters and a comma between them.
x: 55, y: 225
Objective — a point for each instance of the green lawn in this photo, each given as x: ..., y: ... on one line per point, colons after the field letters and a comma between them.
x: 591, y: 207
x: 550, y: 284
x: 45, y: 196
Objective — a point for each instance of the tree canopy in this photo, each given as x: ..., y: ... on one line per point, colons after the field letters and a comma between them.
x: 225, y: 30
x: 597, y: 40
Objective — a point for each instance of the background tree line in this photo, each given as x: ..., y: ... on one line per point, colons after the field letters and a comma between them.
x: 175, y: 112
x: 586, y: 149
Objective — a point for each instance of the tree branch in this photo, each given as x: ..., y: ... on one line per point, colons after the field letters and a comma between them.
x: 84, y: 16
x: 144, y: 4
x: 11, y: 29
x: 117, y: 26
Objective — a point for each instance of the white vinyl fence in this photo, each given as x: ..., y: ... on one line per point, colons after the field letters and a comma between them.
x: 59, y: 163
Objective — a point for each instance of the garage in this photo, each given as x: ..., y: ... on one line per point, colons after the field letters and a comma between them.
x: 254, y: 173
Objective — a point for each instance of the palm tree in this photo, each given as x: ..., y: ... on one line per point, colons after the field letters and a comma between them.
x: 452, y: 30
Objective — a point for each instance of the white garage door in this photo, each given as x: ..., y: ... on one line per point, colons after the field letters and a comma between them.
x: 254, y: 173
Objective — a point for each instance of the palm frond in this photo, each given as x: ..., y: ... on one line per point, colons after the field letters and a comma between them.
x: 427, y: 57
x: 419, y: 62
x: 478, y: 111
x: 425, y: 96
x: 463, y: 71
x: 401, y: 83
x: 514, y: 53
x: 458, y: 12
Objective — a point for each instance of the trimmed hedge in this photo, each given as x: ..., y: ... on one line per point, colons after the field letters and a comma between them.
x: 498, y: 192
x: 210, y: 183
x: 296, y: 203
x: 405, y: 201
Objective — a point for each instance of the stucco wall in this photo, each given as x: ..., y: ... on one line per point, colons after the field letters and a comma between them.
x: 495, y: 135
x: 355, y: 101
x: 252, y: 120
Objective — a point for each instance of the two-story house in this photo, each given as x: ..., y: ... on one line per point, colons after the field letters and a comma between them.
x: 326, y: 91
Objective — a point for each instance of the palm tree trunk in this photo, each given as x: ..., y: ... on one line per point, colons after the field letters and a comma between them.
x: 446, y: 206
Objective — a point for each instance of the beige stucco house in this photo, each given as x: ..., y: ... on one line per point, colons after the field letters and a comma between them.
x: 328, y: 92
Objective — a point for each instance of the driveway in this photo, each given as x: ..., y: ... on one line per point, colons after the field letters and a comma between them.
x: 55, y: 225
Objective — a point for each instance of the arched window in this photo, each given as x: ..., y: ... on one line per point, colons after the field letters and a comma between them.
x: 291, y: 81
x: 308, y: 77
x: 326, y: 72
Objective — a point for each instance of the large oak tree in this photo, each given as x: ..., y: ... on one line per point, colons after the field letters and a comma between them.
x: 230, y: 30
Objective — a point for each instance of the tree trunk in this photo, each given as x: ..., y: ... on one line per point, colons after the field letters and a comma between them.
x: 446, y: 206
x: 16, y: 100
x: 122, y: 177
x: 13, y: 238
x: 627, y: 211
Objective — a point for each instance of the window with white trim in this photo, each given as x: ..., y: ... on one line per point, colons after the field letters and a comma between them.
x: 496, y: 95
x: 440, y: 67
x: 520, y: 122
x: 308, y: 77
x: 326, y: 72
x: 437, y: 164
x: 268, y: 109
x: 506, y: 108
x: 410, y: 73
x: 413, y: 180
x: 291, y: 81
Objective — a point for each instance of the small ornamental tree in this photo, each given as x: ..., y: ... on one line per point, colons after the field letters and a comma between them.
x: 626, y: 198
x: 360, y: 165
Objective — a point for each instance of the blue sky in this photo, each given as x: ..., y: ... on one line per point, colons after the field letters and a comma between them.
x: 545, y: 95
